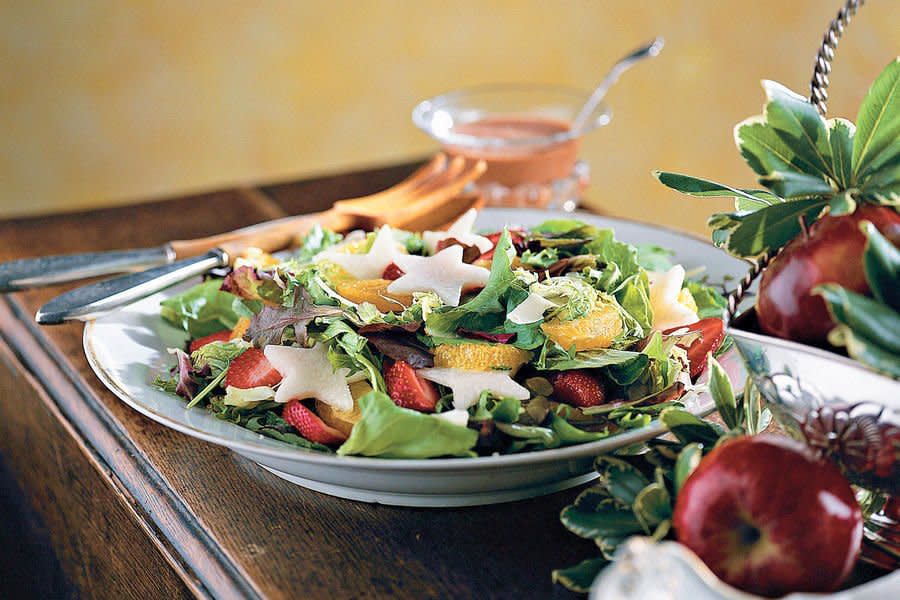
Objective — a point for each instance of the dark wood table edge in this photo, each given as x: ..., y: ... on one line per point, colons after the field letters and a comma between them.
x: 173, y: 528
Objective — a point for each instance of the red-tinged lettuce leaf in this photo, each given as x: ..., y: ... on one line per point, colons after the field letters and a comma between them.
x: 268, y: 326
x: 253, y: 284
x: 471, y: 253
x: 410, y: 327
x: 499, y: 338
x: 186, y: 386
x: 402, y: 346
x: 516, y: 237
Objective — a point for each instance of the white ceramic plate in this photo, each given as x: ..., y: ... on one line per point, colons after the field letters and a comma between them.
x: 127, y: 349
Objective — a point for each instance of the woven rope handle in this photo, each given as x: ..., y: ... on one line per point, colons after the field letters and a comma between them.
x: 818, y: 87
x: 818, y: 95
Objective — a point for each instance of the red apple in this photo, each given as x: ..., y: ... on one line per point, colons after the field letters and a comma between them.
x: 832, y: 253
x: 769, y: 517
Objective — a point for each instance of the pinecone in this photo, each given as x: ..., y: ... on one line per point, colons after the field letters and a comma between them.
x: 853, y: 440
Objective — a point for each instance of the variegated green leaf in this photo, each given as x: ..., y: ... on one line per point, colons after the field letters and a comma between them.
x: 620, y: 479
x: 696, y: 186
x: 790, y: 185
x: 604, y: 521
x: 722, y: 393
x: 580, y: 577
x: 652, y: 506
x: 865, y: 351
x: 765, y: 151
x: 688, y: 460
x: 840, y: 138
x: 842, y: 204
x: 801, y: 127
x: 878, y: 121
x: 881, y: 262
x: 690, y: 428
x: 868, y: 319
x: 767, y: 229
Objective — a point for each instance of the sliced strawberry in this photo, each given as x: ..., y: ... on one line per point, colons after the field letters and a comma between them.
x: 712, y: 332
x: 578, y: 388
x: 408, y: 390
x: 310, y: 425
x: 219, y: 336
x: 251, y: 369
x: 392, y: 272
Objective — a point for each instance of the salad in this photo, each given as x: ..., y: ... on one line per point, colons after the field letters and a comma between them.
x: 445, y: 343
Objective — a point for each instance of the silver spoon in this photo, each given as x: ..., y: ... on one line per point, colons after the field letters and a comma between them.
x: 625, y: 63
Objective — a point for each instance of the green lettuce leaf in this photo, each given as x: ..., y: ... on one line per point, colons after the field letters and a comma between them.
x: 388, y: 431
x: 654, y: 258
x: 539, y: 260
x: 205, y: 309
x: 262, y: 419
x: 557, y: 226
x: 569, y: 434
x: 315, y: 241
x: 592, y: 359
x: 350, y: 350
x: 710, y: 303
x: 217, y: 355
x: 486, y: 311
x: 634, y: 297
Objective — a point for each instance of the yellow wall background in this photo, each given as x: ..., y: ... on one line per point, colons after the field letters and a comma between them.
x: 105, y: 102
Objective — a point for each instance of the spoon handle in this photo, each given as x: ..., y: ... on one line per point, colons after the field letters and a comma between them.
x: 625, y: 63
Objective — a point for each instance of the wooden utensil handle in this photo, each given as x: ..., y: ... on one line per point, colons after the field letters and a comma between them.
x: 269, y: 236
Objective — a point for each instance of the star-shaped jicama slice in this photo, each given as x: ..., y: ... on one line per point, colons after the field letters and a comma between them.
x: 468, y: 385
x: 445, y: 274
x: 461, y: 230
x: 371, y: 264
x: 307, y: 373
x: 665, y: 293
x: 531, y: 309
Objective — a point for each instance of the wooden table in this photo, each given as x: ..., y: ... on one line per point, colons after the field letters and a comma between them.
x: 129, y: 508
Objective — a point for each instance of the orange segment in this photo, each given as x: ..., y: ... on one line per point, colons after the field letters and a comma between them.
x: 480, y: 357
x: 344, y: 420
x: 375, y: 292
x: 595, y: 330
x: 240, y: 328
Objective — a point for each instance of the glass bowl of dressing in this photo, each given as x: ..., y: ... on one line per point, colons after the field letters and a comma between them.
x: 523, y: 132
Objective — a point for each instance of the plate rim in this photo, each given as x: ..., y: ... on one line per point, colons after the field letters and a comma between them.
x: 654, y: 429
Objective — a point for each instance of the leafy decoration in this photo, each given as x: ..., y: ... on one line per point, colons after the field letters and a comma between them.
x: 807, y: 164
x: 878, y: 127
x: 870, y: 327
x: 636, y: 494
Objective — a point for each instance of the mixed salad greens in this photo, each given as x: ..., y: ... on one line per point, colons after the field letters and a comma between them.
x: 404, y: 345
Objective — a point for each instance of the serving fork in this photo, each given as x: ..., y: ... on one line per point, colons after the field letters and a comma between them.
x: 430, y: 198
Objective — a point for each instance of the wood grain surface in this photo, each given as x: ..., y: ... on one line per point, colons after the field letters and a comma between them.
x: 136, y: 510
